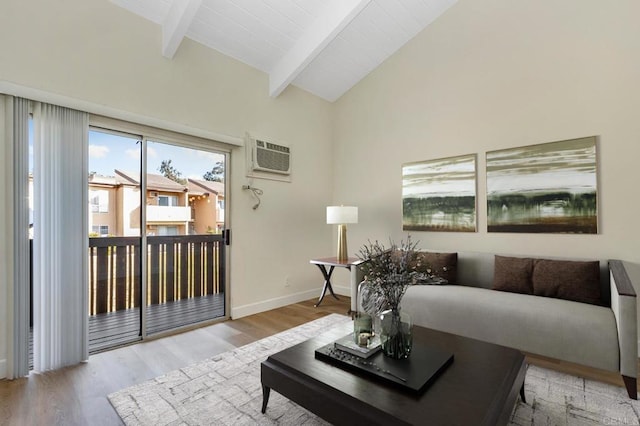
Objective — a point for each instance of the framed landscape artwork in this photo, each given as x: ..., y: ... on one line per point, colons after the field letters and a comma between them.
x: 440, y: 195
x: 546, y: 188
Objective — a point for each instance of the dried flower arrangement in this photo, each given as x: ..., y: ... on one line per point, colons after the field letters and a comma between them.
x: 388, y: 271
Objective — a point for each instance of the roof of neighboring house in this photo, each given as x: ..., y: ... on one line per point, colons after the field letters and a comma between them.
x: 101, y: 180
x: 154, y: 182
x: 199, y: 187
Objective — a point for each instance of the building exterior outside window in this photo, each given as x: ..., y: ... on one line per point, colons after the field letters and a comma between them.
x: 100, y: 230
x: 99, y: 201
x: 172, y: 208
x: 167, y: 200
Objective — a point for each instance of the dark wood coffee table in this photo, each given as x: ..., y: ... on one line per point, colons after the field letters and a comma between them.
x: 480, y: 387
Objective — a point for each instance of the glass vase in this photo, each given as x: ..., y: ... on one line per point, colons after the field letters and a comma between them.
x: 395, y: 333
x: 362, y: 328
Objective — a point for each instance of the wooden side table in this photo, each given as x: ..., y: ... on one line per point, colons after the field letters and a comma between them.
x: 332, y: 263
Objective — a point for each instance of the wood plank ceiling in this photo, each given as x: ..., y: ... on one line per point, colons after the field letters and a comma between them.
x: 322, y: 46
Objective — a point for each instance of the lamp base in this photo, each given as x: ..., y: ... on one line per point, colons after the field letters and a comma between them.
x: 343, y: 254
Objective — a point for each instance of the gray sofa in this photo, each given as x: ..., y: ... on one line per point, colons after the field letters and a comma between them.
x: 603, y: 337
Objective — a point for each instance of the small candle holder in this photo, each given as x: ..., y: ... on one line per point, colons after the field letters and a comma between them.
x: 363, y: 339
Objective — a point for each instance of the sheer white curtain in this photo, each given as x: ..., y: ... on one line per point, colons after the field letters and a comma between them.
x: 19, y: 360
x: 15, y: 233
x: 60, y: 242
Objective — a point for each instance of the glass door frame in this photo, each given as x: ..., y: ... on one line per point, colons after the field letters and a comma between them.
x: 147, y: 134
x: 224, y: 266
x: 126, y: 329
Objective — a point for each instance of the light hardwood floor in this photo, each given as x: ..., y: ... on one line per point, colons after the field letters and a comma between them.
x: 78, y: 395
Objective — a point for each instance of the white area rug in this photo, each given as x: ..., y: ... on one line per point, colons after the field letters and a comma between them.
x: 226, y: 390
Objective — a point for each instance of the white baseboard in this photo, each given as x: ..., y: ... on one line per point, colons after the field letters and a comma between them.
x: 278, y: 302
x: 3, y: 368
x: 342, y: 291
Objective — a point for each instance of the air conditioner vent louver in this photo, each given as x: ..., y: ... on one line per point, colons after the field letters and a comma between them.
x: 271, y: 157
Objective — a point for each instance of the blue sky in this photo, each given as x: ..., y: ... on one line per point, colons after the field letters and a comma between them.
x: 108, y: 152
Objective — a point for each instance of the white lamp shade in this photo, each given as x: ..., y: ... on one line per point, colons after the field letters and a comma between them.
x: 338, y: 215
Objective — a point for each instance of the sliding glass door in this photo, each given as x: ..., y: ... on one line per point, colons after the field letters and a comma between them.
x: 184, y: 223
x: 115, y: 239
x: 156, y: 247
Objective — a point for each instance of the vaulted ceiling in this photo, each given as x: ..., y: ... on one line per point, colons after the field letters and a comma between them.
x: 322, y: 46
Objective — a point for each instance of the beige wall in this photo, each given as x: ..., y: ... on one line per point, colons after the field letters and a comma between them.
x: 96, y: 52
x: 497, y: 74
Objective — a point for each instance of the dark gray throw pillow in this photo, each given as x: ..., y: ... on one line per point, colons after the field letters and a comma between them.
x: 513, y: 274
x: 569, y: 280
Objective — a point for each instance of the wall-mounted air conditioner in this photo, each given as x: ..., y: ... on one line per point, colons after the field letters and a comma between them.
x: 269, y: 157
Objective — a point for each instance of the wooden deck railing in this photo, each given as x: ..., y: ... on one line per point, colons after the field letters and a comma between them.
x: 178, y: 267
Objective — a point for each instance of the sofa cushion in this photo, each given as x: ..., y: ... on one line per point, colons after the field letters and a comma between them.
x: 569, y: 280
x: 513, y: 274
x: 443, y: 265
x: 575, y: 332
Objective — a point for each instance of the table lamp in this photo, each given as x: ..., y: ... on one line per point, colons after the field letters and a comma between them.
x: 341, y: 215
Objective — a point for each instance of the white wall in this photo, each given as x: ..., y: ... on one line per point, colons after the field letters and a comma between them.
x: 497, y: 74
x: 94, y: 51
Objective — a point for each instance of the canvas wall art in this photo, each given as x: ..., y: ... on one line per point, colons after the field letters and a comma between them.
x: 440, y: 195
x: 546, y: 188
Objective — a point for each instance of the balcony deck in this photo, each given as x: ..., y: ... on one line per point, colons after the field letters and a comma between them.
x: 112, y: 329
x: 185, y: 284
x: 115, y: 328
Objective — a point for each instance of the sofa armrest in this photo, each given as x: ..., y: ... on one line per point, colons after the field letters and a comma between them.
x: 623, y: 304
